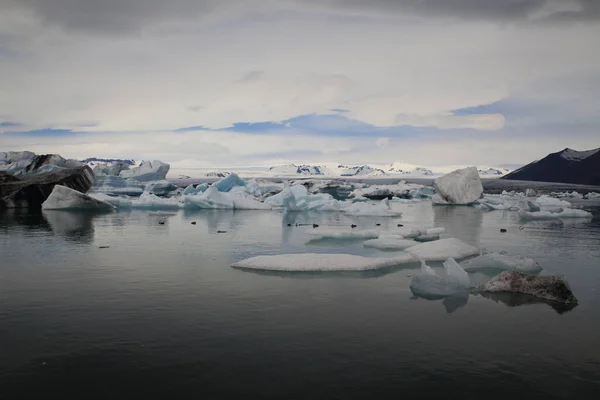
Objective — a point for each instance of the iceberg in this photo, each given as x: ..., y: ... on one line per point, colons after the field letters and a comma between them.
x: 554, y: 288
x: 557, y: 214
x: 306, y: 262
x: 435, y: 231
x: 502, y: 262
x: 116, y: 185
x: 592, y: 195
x: 229, y: 182
x: 160, y: 188
x: 297, y: 198
x: 344, y: 234
x: 190, y: 189
x: 117, y: 201
x: 381, y: 209
x: 388, y: 243
x: 460, y: 187
x: 64, y: 198
x: 442, y: 249
x: 408, y: 232
x: 427, y: 238
x: 546, y: 201
x: 401, y: 190
x: 147, y: 171
x: 429, y: 284
x: 151, y: 201
x: 212, y: 198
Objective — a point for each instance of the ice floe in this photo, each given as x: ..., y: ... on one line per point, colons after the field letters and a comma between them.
x: 442, y: 249
x: 344, y: 233
x: 560, y: 213
x: 389, y: 243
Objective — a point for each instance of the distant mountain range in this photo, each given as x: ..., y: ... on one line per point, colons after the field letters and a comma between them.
x: 566, y: 166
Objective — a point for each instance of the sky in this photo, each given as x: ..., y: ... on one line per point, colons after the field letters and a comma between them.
x: 202, y: 83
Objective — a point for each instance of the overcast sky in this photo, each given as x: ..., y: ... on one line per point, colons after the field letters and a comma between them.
x: 247, y: 82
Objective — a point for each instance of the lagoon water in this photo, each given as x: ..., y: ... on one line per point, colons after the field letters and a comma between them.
x: 161, y: 314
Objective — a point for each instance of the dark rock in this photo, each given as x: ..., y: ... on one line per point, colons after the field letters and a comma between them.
x: 32, y: 190
x: 554, y: 288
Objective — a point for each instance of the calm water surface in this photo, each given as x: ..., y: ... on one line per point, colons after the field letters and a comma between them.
x: 161, y: 314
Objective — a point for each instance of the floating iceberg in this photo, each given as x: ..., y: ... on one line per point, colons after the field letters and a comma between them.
x: 297, y: 198
x: 459, y: 187
x: 116, y: 185
x: 229, y: 182
x: 117, y: 201
x: 427, y: 238
x: 160, y: 188
x: 381, y: 209
x: 592, y: 195
x: 401, y: 190
x: 147, y: 171
x: 212, y: 198
x: 409, y: 232
x: 320, y: 262
x: 152, y: 202
x: 558, y: 214
x: 499, y: 261
x: 442, y: 249
x: 435, y: 231
x: 546, y: 201
x: 64, y: 198
x: 429, y: 284
x: 554, y: 288
x: 344, y: 234
x: 388, y: 243
x: 190, y: 189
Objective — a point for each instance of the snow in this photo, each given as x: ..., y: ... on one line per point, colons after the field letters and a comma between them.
x: 228, y: 183
x: 574, y: 155
x: 147, y: 171
x: 459, y: 187
x: 389, y: 243
x: 558, y: 214
x: 381, y: 209
x: 546, y: 201
x: 442, y: 249
x: 428, y: 283
x: 499, y: 261
x: 344, y: 233
x: 320, y: 262
x: 64, y: 198
x: 554, y: 288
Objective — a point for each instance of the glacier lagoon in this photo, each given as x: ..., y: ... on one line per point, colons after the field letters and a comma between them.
x: 146, y: 304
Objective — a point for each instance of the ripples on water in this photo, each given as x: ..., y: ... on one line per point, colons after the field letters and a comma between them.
x: 161, y: 314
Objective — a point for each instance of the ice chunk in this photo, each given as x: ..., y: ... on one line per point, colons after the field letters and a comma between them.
x: 427, y: 238
x: 152, y: 202
x: 64, y: 198
x: 190, y: 189
x: 533, y: 206
x: 389, y: 243
x: 212, y: 198
x: 546, y: 201
x: 401, y: 190
x: 559, y: 214
x: 147, y: 171
x: 116, y: 185
x: 117, y: 201
x: 229, y: 182
x: 297, y: 198
x: 160, y: 188
x: 499, y: 261
x: 381, y: 209
x: 320, y: 262
x: 429, y: 284
x: 554, y: 288
x: 408, y: 232
x: 462, y: 186
x: 442, y: 249
x: 344, y: 233
x: 435, y: 231
x: 592, y: 195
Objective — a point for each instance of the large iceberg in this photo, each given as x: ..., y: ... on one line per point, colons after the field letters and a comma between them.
x: 388, y: 243
x: 566, y: 213
x: 297, y: 198
x: 20, y: 163
x: 554, y: 288
x: 442, y: 249
x: 501, y: 262
x: 429, y: 284
x: 147, y: 171
x: 381, y: 209
x: 459, y: 187
x: 64, y: 198
x: 320, y: 262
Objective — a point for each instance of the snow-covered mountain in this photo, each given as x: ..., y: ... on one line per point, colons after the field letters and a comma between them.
x: 293, y: 169
x: 492, y: 171
x: 360, y: 170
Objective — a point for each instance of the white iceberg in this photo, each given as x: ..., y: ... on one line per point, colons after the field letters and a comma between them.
x: 388, y: 243
x: 117, y: 201
x: 592, y: 195
x: 427, y: 238
x: 297, y: 198
x: 502, y: 262
x: 381, y: 209
x: 546, y: 201
x: 320, y: 262
x: 459, y: 187
x: 212, y: 198
x: 442, y: 249
x: 64, y: 198
x: 147, y: 171
x: 566, y: 213
x: 150, y: 201
x: 344, y: 233
x: 429, y: 284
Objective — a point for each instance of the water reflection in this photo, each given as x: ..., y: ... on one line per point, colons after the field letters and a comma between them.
x: 451, y: 303
x: 22, y: 217
x: 73, y: 226
x: 461, y: 222
x: 518, y: 299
